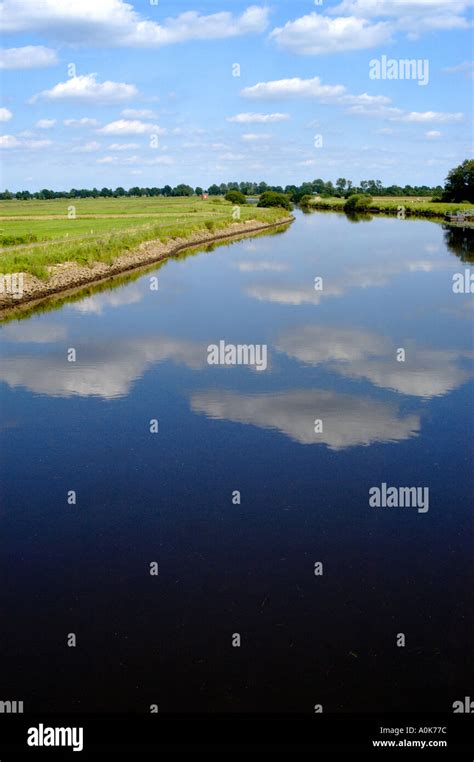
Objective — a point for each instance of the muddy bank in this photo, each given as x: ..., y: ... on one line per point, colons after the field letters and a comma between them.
x: 69, y: 275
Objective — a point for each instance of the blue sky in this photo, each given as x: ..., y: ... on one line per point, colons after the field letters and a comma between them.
x: 107, y: 93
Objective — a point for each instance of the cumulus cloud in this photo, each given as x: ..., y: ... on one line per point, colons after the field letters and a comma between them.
x: 124, y: 161
x: 362, y: 104
x: 116, y: 23
x: 131, y: 127
x: 9, y: 141
x: 89, y: 147
x: 85, y: 88
x: 256, y: 118
x: 466, y: 68
x: 284, y: 88
x: 38, y: 143
x: 5, y: 114
x: 431, y: 116
x: 410, y: 16
x: 315, y: 34
x: 124, y: 147
x: 138, y: 113
x: 252, y: 137
x: 45, y: 124
x: 28, y: 57
x: 85, y: 121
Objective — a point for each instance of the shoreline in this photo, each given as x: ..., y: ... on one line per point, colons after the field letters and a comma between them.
x: 389, y: 211
x: 69, y: 276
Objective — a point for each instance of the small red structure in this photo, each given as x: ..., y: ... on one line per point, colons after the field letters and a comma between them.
x: 204, y: 196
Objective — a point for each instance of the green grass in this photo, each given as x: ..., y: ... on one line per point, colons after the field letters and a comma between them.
x: 61, y: 239
x: 414, y: 206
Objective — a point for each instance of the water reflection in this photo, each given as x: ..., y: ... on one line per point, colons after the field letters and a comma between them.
x: 460, y: 240
x: 426, y: 372
x: 98, y: 303
x: 347, y: 420
x: 102, y: 369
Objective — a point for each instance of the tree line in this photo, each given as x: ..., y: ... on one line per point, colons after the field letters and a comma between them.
x: 341, y: 188
x: 459, y: 186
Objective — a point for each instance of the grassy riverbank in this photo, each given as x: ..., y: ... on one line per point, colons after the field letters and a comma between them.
x: 35, y: 235
x: 412, y: 206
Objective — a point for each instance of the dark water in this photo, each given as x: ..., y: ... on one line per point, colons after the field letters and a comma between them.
x: 247, y: 568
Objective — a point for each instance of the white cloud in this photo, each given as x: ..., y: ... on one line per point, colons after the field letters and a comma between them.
x: 130, y: 160
x: 284, y: 88
x: 90, y: 147
x: 28, y: 57
x: 432, y: 134
x: 466, y: 68
x: 131, y: 127
x: 5, y: 115
x: 229, y: 156
x: 124, y: 147
x: 117, y: 23
x: 315, y: 34
x: 85, y: 88
x: 9, y: 141
x: 411, y: 16
x: 253, y: 118
x: 85, y: 121
x: 363, y: 104
x: 431, y: 116
x: 400, y: 115
x: 45, y: 124
x: 138, y: 113
x: 255, y: 136
x: 38, y: 143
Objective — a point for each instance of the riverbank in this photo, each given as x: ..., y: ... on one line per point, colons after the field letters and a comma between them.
x: 68, y: 276
x: 395, y: 205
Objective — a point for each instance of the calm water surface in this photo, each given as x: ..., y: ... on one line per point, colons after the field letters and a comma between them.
x: 167, y: 497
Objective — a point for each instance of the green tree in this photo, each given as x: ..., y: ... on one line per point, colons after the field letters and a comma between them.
x: 235, y: 197
x: 459, y: 185
x: 358, y: 202
x: 270, y: 198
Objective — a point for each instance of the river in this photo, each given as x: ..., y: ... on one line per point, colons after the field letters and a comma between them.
x: 156, y: 506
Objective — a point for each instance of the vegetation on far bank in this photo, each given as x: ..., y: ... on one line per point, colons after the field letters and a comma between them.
x: 459, y: 187
x: 100, y: 238
x: 403, y: 205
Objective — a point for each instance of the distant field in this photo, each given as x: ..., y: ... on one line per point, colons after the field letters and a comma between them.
x: 35, y: 234
x: 415, y: 205
x: 59, y: 206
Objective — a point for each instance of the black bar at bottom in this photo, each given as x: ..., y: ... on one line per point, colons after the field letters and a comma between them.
x: 443, y: 734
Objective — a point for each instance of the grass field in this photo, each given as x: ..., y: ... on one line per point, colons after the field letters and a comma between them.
x: 414, y: 206
x: 36, y: 234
